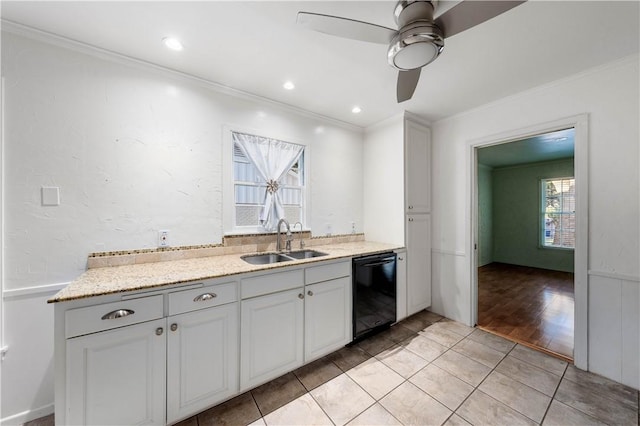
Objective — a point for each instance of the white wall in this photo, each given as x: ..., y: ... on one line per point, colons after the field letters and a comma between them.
x: 133, y: 149
x: 383, y: 181
x: 610, y: 96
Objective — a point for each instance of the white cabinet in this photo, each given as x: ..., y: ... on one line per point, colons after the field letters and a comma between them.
x: 127, y: 363
x: 271, y: 336
x: 117, y: 377
x: 159, y: 358
x: 418, y: 228
x: 417, y: 218
x: 202, y: 359
x: 282, y: 330
x: 417, y: 168
x: 401, y: 285
x: 327, y: 317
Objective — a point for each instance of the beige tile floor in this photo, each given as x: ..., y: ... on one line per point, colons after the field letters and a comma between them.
x: 428, y: 370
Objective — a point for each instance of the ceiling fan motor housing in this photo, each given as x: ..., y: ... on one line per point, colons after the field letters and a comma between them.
x: 419, y: 40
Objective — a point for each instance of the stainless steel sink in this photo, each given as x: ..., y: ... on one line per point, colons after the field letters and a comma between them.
x: 263, y: 259
x: 267, y: 258
x: 305, y: 254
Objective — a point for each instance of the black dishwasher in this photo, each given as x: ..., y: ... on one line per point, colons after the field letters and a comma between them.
x: 374, y: 294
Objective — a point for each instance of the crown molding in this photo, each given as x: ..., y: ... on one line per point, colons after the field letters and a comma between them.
x: 109, y: 55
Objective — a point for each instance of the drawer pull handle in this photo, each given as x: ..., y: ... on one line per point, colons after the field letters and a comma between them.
x: 118, y: 313
x: 204, y: 297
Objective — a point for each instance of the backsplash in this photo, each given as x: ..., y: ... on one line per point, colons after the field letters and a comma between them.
x: 231, y: 244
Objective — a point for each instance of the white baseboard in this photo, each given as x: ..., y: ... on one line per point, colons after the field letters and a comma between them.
x: 27, y: 416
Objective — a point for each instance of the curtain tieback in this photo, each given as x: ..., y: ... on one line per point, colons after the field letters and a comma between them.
x: 272, y: 186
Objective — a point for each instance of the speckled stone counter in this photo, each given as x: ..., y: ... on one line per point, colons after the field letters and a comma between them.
x: 118, y: 279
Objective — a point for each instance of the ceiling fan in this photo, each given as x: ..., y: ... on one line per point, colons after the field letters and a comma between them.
x: 419, y: 38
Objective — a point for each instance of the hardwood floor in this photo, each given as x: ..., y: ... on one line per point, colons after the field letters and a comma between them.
x: 529, y: 305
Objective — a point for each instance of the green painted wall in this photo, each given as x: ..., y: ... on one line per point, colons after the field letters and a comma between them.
x: 485, y: 215
x: 516, y: 207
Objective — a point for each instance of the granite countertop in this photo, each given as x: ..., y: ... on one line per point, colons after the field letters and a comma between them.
x: 118, y: 279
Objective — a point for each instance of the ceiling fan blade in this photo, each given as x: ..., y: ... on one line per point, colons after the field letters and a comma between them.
x: 347, y: 28
x: 407, y: 82
x: 470, y: 13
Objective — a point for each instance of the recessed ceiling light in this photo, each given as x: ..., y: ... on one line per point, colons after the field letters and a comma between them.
x: 356, y: 110
x: 289, y: 85
x: 172, y: 43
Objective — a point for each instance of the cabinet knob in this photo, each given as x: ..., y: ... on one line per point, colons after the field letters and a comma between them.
x: 174, y: 326
x: 410, y: 219
x: 204, y: 297
x: 159, y: 331
x: 300, y: 296
x: 310, y: 293
x: 410, y: 207
x: 401, y: 258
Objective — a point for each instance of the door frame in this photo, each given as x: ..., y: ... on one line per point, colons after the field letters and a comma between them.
x: 581, y: 156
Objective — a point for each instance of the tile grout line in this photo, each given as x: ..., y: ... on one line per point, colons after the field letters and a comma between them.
x: 553, y: 398
x: 477, y: 388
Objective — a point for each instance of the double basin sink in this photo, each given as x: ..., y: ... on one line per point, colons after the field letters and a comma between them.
x: 267, y: 258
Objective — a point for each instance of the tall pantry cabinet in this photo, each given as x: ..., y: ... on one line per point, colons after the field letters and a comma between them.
x: 417, y: 159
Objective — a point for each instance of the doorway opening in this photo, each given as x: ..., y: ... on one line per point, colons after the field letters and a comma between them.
x: 525, y: 240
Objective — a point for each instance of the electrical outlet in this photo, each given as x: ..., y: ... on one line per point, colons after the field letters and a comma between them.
x: 163, y: 238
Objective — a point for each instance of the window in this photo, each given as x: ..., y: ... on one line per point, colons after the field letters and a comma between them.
x: 558, y: 214
x: 263, y: 170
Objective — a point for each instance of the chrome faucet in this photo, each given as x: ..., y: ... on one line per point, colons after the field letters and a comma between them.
x: 301, y: 242
x: 287, y: 246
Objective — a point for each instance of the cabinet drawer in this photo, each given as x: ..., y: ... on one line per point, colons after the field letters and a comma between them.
x: 203, y: 297
x: 318, y: 274
x: 271, y: 283
x: 112, y: 315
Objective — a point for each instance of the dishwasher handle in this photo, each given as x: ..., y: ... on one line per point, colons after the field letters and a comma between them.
x: 371, y: 265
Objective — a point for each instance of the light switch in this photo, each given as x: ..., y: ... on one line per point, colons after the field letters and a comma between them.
x: 50, y: 196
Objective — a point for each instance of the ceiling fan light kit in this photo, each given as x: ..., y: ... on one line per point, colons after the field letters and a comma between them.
x: 417, y: 45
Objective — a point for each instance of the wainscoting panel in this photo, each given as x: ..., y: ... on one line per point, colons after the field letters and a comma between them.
x: 614, y: 327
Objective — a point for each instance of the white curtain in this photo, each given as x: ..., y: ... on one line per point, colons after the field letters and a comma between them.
x: 273, y: 159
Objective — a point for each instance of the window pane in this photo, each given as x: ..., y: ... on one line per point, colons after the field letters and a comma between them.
x: 558, y: 215
x: 247, y: 215
x: 249, y: 194
x: 293, y: 214
x: 291, y: 196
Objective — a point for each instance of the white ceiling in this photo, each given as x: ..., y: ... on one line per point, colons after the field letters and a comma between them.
x: 256, y: 46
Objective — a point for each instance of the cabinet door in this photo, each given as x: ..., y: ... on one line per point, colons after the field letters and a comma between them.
x: 418, y: 262
x: 401, y: 286
x: 271, y: 336
x: 202, y: 359
x: 418, y: 168
x: 327, y: 317
x: 117, y: 377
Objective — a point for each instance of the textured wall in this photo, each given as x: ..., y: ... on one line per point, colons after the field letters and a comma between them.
x: 134, y: 151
